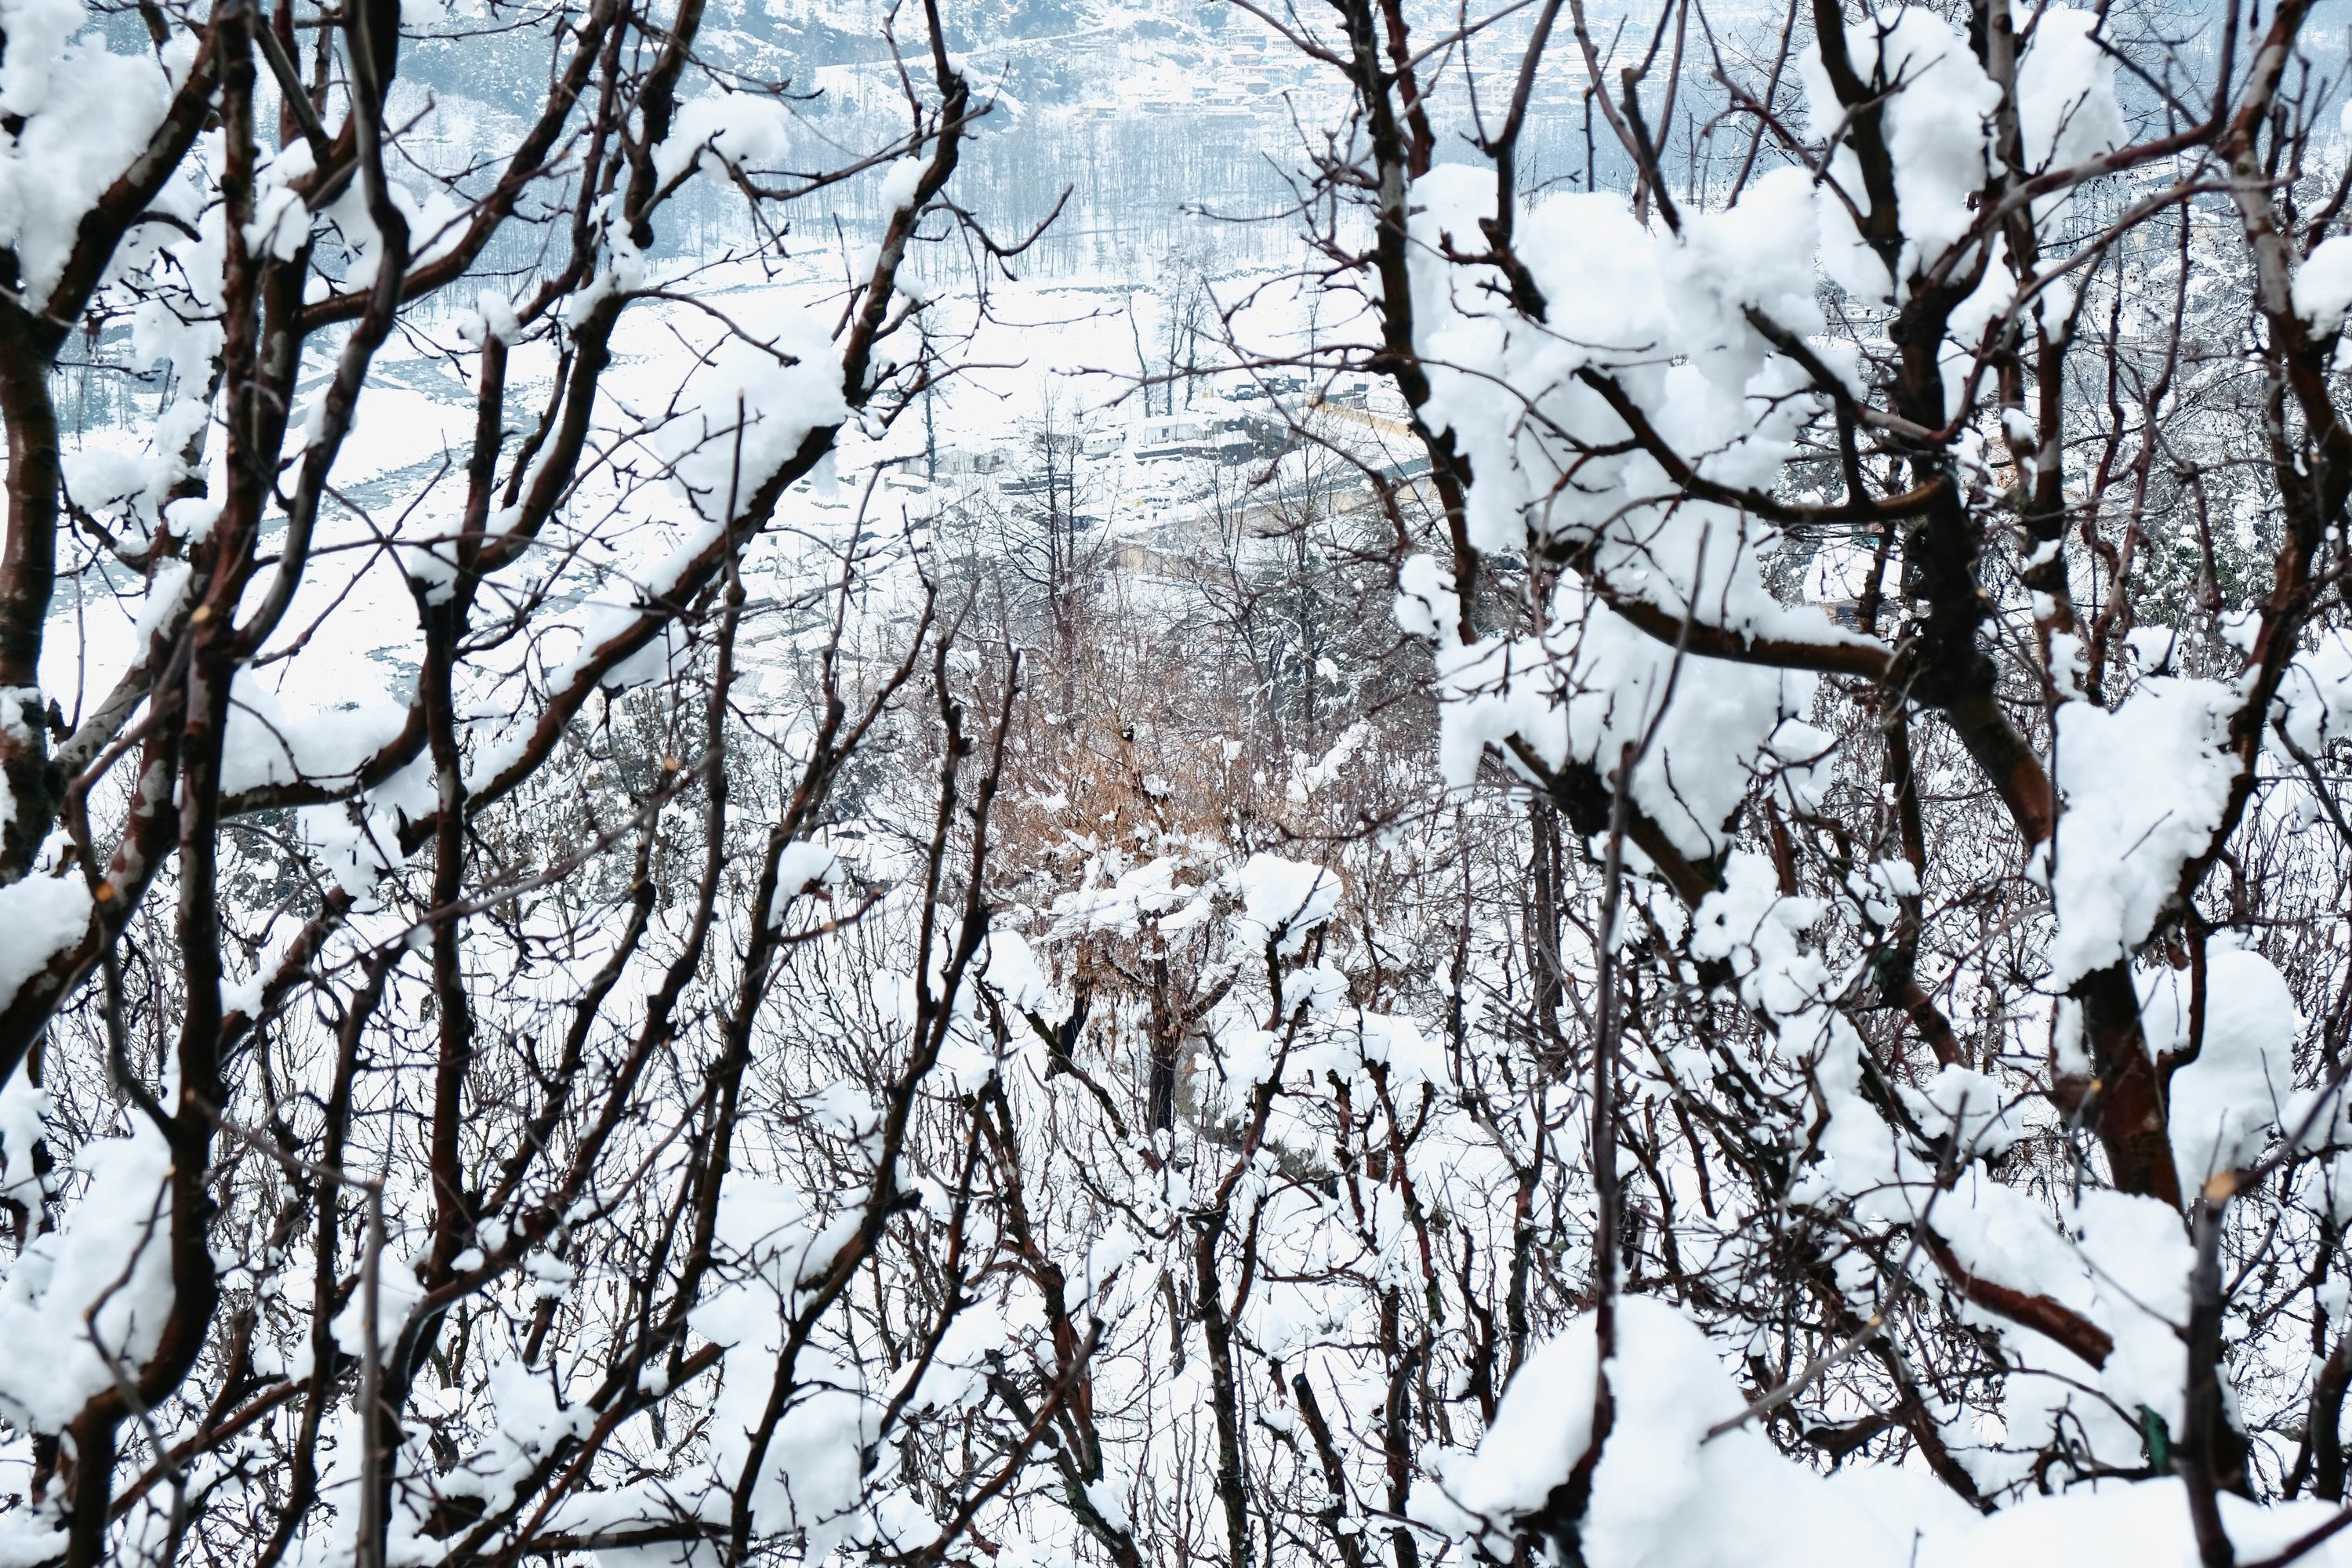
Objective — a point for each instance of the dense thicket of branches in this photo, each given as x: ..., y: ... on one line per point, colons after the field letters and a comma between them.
x: 789, y: 1032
